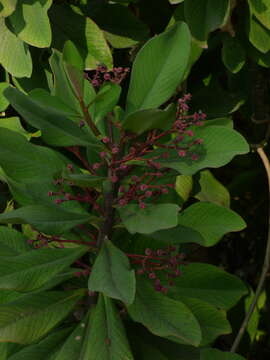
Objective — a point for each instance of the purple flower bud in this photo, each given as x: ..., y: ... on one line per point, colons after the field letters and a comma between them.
x: 164, y: 191
x: 164, y: 290
x: 95, y: 82
x: 115, y: 149
x: 182, y: 153
x: 134, y: 178
x: 70, y: 167
x: 160, y: 252
x: 81, y: 124
x: 123, y: 166
x: 114, y: 179
x: 143, y: 187
x: 177, y: 272
x: 107, y: 76
x: 194, y: 157
x: 199, y: 141
x: 102, y: 154
x: 122, y: 202
x: 152, y: 275
x: 148, y: 194
x: 142, y: 205
x: 140, y: 271
x: 106, y: 140
x: 50, y: 193
x: 196, y: 116
x: 190, y: 133
x: 96, y: 166
x: 148, y: 252
x: 122, y: 189
x: 58, y: 201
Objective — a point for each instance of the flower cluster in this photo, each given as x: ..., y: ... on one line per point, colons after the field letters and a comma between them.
x: 102, y: 75
x: 155, y: 262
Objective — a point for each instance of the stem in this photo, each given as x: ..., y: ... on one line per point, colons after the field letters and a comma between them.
x: 88, y: 119
x: 266, y: 263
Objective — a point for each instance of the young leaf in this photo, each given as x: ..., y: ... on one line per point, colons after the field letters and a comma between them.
x: 215, y: 354
x: 106, y: 338
x: 31, y: 23
x: 150, y: 219
x: 18, y: 62
x: 26, y: 320
x: 30, y: 271
x: 49, y: 219
x: 159, y: 68
x: 7, y: 7
x: 111, y: 274
x: 211, y: 221
x: 204, y: 16
x: 258, y: 35
x: 210, y: 284
x: 12, y: 242
x: 212, y: 190
x: 163, y: 316
x: 261, y: 9
x: 3, y: 101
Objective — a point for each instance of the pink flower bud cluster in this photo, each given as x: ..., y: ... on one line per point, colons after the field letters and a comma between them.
x: 155, y: 262
x: 102, y: 75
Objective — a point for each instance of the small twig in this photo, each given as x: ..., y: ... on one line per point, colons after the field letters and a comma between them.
x: 266, y: 263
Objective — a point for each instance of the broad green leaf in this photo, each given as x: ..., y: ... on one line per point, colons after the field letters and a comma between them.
x: 210, y: 284
x: 183, y: 186
x: 111, y: 274
x: 56, y: 129
x: 72, y: 346
x: 121, y: 27
x: 144, y: 120
x: 3, y: 101
x: 31, y: 270
x: 174, y: 2
x: 163, y: 316
x: 12, y: 242
x: 43, y: 349
x: 215, y: 354
x: 72, y: 56
x: 220, y: 145
x: 49, y: 219
x: 213, y: 322
x: 154, y: 77
x: 211, y: 221
x: 178, y: 235
x: 212, y: 190
x: 17, y: 62
x: 150, y: 219
x: 29, y: 318
x: 204, y: 16
x: 13, y: 123
x: 261, y: 9
x: 259, y: 35
x: 106, y: 338
x: 82, y: 31
x: 7, y: 7
x: 29, y: 162
x: 30, y: 22
x: 233, y: 54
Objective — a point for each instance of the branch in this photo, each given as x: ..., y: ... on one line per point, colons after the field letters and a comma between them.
x: 266, y: 263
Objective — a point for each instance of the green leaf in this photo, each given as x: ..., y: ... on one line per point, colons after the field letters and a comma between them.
x: 144, y: 120
x: 154, y: 77
x: 178, y: 235
x: 220, y: 145
x: 30, y: 22
x: 204, y: 16
x: 163, y: 316
x: 3, y: 101
x: 261, y: 9
x: 84, y: 180
x: 7, y: 7
x: 73, y: 344
x: 72, y: 56
x: 211, y: 221
x: 82, y: 31
x: 111, y: 274
x: 259, y: 35
x: 56, y: 129
x: 210, y: 284
x: 233, y: 54
x: 29, y: 162
x: 212, y: 321
x: 183, y: 186
x: 42, y: 349
x: 150, y: 219
x: 31, y: 270
x: 49, y: 219
x: 121, y: 27
x: 12, y: 242
x: 17, y: 62
x: 214, y: 354
x: 13, y: 123
x: 212, y: 190
x: 29, y: 318
x: 106, y: 338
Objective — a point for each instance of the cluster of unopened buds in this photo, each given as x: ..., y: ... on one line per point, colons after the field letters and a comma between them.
x: 102, y: 75
x: 156, y: 262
